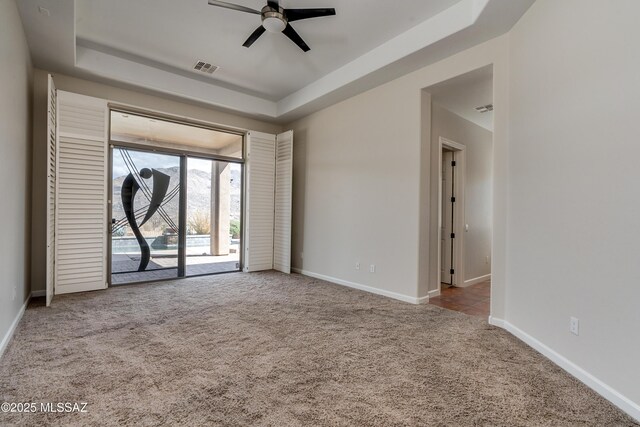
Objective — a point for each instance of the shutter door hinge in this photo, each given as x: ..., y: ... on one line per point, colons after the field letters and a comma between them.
x: 453, y: 200
x: 452, y: 271
x: 453, y: 235
x: 453, y: 163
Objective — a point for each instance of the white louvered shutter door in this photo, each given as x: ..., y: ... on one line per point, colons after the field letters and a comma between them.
x: 51, y: 187
x: 260, y: 164
x: 81, y: 194
x: 283, y: 189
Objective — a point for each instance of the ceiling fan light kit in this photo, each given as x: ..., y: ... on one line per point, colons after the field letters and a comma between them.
x: 276, y: 20
x: 273, y: 22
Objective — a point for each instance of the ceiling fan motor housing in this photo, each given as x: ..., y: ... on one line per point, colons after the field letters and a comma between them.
x: 273, y: 20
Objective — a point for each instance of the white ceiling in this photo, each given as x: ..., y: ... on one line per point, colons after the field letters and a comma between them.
x: 462, y: 94
x: 177, y: 33
x: 153, y: 44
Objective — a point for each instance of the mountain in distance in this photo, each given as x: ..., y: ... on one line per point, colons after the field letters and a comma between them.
x: 198, y: 193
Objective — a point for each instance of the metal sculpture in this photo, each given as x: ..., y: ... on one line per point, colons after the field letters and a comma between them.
x: 130, y: 188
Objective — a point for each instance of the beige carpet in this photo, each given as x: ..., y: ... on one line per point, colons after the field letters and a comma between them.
x: 270, y: 349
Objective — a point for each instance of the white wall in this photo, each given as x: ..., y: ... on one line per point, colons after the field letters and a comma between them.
x: 117, y: 95
x: 478, y: 144
x: 356, y: 178
x: 362, y: 180
x: 574, y: 184
x: 15, y: 161
x: 462, y: 94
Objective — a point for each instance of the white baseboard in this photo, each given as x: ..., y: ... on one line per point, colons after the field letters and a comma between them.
x: 389, y: 294
x: 7, y: 337
x: 36, y: 294
x: 600, y: 387
x: 434, y: 293
x: 476, y: 280
x: 423, y: 300
x: 496, y: 322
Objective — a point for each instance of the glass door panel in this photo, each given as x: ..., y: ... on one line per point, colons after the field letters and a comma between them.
x: 145, y: 231
x: 213, y: 210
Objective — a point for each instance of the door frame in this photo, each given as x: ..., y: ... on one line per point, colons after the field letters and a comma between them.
x: 458, y: 211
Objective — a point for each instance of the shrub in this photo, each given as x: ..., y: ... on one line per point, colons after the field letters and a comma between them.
x: 234, y: 229
x: 199, y: 223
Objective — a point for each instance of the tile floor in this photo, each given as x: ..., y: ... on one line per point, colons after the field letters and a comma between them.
x: 472, y: 300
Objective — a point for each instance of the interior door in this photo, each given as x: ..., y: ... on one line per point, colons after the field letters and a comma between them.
x: 447, y: 252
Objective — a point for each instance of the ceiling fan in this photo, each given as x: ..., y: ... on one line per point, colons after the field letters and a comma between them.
x: 275, y: 19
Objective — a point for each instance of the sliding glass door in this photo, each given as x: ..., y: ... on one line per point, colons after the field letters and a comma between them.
x: 214, y: 191
x: 150, y: 239
x: 175, y: 200
x: 145, y: 229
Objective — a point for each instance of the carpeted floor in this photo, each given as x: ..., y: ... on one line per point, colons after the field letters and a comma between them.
x: 271, y: 349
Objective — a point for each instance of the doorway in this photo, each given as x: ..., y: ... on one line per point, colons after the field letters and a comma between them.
x: 461, y: 136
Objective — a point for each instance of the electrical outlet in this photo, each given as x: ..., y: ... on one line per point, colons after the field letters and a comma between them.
x: 574, y: 326
x: 358, y: 265
x: 372, y: 268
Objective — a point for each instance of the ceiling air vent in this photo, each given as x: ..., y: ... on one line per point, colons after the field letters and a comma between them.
x: 204, y: 67
x: 484, y: 108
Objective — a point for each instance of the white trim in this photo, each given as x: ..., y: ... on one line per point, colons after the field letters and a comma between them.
x: 423, y: 300
x: 7, y: 337
x: 496, y: 322
x: 36, y: 294
x: 434, y: 293
x: 446, y: 142
x: 595, y: 384
x: 388, y: 294
x: 477, y: 280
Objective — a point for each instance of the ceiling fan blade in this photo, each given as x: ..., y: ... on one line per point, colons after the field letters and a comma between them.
x: 254, y: 36
x: 295, y: 37
x: 233, y: 6
x: 273, y: 4
x: 298, y: 14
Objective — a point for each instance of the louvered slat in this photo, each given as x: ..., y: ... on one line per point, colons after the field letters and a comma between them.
x: 81, y: 194
x: 260, y: 164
